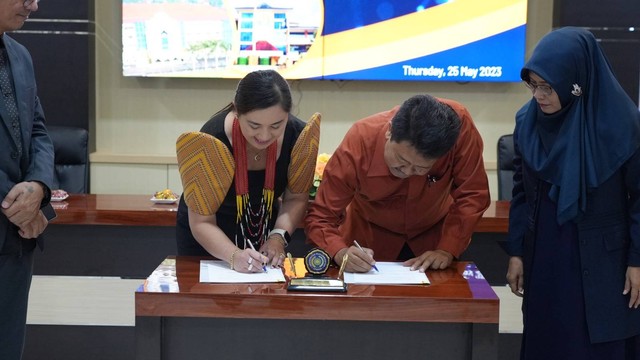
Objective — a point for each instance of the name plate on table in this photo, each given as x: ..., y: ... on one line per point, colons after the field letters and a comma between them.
x: 317, y: 263
x: 317, y: 284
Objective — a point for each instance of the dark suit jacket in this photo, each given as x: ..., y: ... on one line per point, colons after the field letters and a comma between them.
x: 34, y: 161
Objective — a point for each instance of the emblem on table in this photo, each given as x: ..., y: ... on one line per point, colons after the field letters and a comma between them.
x: 317, y: 262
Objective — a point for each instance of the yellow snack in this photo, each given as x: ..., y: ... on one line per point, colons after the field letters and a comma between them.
x: 165, y: 194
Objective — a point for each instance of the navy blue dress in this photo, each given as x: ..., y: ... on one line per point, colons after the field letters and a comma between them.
x: 553, y: 308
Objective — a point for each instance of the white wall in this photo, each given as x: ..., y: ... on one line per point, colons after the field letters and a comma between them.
x: 138, y: 119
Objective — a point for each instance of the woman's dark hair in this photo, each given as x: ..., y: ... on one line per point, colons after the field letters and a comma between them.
x: 261, y: 89
x: 428, y: 125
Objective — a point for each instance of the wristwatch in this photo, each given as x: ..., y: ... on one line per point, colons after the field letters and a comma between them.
x: 284, y: 234
x: 46, y: 198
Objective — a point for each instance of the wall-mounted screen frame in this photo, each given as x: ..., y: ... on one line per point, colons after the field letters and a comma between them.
x: 396, y: 40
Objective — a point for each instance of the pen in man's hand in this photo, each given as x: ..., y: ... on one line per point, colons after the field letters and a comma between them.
x: 361, y: 249
x: 264, y: 267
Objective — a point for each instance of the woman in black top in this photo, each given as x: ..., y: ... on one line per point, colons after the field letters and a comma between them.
x: 255, y: 152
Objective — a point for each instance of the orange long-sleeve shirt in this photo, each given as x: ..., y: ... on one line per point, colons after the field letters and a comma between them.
x: 360, y: 199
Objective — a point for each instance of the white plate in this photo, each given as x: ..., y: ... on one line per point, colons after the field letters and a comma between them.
x: 59, y: 198
x: 163, y: 201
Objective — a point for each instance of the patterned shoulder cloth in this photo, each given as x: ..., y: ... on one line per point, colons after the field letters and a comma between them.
x: 206, y: 168
x: 304, y: 155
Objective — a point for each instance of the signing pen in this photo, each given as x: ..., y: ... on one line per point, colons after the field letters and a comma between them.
x: 264, y: 267
x: 361, y: 249
x: 292, y: 264
x: 345, y: 258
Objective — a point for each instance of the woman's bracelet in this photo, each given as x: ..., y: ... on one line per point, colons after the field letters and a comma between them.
x: 280, y: 238
x: 233, y: 255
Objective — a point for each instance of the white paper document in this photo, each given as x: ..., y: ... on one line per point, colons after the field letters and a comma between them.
x: 217, y: 271
x: 390, y: 273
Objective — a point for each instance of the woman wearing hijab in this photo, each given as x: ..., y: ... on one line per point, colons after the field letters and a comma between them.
x: 574, y: 224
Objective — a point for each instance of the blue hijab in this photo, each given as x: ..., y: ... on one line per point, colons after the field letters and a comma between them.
x: 595, y: 132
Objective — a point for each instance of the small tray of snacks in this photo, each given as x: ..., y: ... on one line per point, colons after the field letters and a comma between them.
x: 59, y: 195
x: 165, y: 196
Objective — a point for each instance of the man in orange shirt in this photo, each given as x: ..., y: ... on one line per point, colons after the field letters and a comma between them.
x: 407, y: 184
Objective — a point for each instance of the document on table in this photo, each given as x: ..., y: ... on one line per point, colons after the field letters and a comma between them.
x: 390, y: 273
x: 217, y: 271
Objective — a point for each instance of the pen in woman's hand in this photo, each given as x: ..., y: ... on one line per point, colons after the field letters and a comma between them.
x: 361, y: 249
x: 264, y: 267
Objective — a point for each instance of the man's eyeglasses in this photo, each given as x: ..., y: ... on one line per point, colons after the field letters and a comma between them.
x: 545, y: 89
x: 28, y: 3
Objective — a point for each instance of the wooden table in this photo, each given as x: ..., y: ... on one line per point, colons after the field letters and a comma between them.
x: 456, y: 317
x: 134, y: 235
x: 495, y: 219
x: 134, y: 210
x: 138, y: 210
x: 107, y: 235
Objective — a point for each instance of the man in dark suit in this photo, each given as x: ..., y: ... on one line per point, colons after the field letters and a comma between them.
x: 26, y: 170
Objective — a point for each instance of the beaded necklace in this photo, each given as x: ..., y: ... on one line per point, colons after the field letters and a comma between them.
x: 252, y: 222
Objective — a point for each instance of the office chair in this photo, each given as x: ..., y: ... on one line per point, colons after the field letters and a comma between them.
x: 505, y: 167
x: 71, y: 147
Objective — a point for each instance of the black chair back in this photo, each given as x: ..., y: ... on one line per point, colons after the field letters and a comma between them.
x: 505, y: 167
x: 71, y: 146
